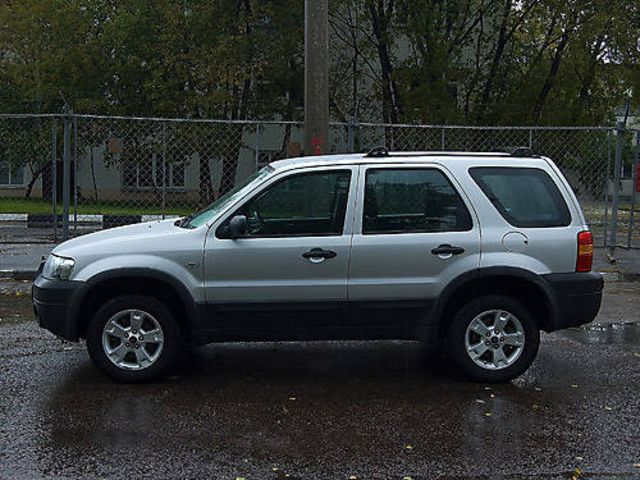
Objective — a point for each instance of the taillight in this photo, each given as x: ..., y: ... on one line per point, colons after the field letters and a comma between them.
x: 585, y: 252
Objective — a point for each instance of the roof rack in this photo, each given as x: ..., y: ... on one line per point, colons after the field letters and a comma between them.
x: 378, y: 152
x: 517, y: 151
x: 521, y: 152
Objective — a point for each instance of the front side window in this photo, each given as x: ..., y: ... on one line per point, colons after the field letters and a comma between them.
x: 407, y: 200
x: 305, y: 204
x: 525, y: 197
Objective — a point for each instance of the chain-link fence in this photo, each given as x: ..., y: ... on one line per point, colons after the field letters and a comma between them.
x: 106, y: 171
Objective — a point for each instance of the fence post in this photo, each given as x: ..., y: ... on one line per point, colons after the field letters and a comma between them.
x: 635, y: 183
x: 351, y: 134
x: 66, y: 161
x: 605, y: 243
x: 54, y: 177
x: 164, y: 170
x: 256, y: 144
x: 613, y: 239
x: 75, y: 175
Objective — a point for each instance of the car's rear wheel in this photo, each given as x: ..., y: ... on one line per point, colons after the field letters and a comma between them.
x: 133, y: 338
x: 494, y: 339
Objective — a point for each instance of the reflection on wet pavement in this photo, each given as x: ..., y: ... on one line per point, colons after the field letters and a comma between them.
x: 608, y: 333
x: 319, y: 410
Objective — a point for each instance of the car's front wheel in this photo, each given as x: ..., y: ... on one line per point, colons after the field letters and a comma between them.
x: 133, y: 338
x: 494, y: 339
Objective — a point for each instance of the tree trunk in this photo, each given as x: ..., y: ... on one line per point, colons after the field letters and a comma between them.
x: 550, y: 80
x: 495, y: 63
x: 93, y: 177
x: 380, y: 20
x: 231, y: 146
x: 206, y: 185
x: 587, y: 81
x: 34, y: 178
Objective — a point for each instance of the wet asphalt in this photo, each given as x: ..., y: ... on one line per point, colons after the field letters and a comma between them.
x: 324, y: 409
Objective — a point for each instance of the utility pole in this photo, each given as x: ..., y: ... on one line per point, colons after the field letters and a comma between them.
x: 316, y: 77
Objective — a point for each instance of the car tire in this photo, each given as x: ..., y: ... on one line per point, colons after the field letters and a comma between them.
x: 130, y: 354
x: 485, y: 353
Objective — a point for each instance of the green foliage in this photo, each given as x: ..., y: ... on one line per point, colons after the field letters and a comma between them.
x: 150, y: 57
x: 465, y: 61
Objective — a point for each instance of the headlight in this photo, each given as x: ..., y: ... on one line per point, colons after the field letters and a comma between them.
x: 58, y: 267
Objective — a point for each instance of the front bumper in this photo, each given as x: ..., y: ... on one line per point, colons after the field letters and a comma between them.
x: 56, y: 303
x: 576, y: 297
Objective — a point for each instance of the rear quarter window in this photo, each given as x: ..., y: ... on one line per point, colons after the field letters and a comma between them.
x: 525, y: 197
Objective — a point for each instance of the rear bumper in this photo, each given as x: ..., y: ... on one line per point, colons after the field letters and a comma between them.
x: 55, y: 304
x: 576, y: 297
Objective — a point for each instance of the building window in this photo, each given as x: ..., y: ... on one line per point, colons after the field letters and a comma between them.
x: 150, y: 175
x: 11, y: 176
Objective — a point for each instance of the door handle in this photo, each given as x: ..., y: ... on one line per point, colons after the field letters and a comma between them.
x: 446, y: 249
x: 319, y: 253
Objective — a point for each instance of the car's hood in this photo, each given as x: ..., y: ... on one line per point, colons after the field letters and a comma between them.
x: 129, y: 237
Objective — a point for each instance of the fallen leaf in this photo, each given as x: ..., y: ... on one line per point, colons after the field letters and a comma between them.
x: 637, y: 354
x: 480, y: 401
x: 407, y: 478
x: 573, y: 385
x: 608, y: 408
x: 487, y: 414
x: 537, y: 389
x: 579, y: 459
x: 487, y: 388
x: 353, y: 477
x: 493, y: 396
x: 408, y: 447
x: 292, y: 398
x: 536, y: 407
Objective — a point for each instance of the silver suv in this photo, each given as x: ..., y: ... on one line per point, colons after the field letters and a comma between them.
x: 480, y: 251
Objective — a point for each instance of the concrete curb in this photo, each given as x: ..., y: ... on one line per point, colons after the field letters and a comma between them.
x: 15, y: 275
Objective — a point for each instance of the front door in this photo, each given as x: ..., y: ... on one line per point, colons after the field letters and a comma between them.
x: 290, y: 271
x: 413, y: 234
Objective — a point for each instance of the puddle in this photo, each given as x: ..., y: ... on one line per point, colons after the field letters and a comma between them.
x: 606, y: 333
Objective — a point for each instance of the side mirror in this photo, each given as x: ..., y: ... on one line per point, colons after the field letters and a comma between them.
x: 238, y: 226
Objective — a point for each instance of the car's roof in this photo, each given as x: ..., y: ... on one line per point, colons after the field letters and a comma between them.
x: 393, y: 157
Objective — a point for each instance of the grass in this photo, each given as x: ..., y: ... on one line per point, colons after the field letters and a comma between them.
x: 38, y: 206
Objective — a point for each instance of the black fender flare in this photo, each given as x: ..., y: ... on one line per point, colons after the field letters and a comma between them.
x: 494, y: 272
x: 193, y: 318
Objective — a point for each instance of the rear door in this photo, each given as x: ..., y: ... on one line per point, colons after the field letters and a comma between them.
x: 414, y: 232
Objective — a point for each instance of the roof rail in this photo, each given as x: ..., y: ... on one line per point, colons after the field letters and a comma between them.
x: 517, y: 151
x: 378, y: 152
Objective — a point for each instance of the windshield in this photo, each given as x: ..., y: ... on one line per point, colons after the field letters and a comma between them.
x: 204, y: 216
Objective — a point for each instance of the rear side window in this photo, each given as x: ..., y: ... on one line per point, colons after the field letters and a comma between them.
x: 407, y: 200
x: 525, y: 197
